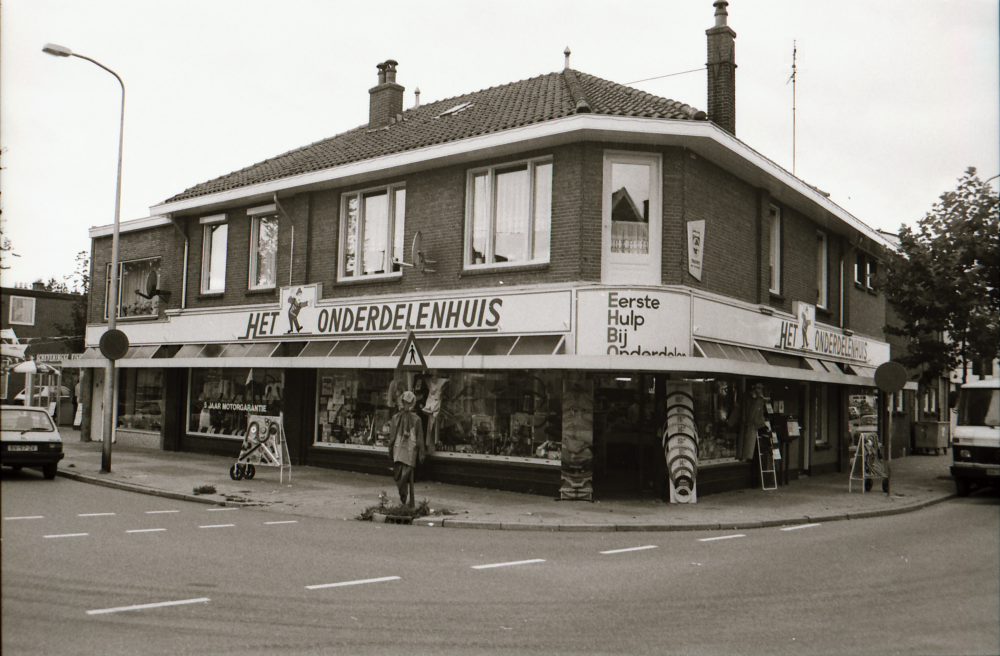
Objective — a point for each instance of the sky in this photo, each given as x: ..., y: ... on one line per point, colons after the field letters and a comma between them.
x: 893, y: 99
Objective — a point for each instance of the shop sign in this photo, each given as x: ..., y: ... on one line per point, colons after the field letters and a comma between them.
x: 696, y: 247
x: 800, y: 335
x: 299, y: 314
x: 622, y: 321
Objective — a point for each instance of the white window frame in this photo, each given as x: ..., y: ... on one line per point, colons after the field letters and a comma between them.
x: 210, y: 224
x: 491, y: 172
x: 860, y: 269
x: 25, y: 300
x: 900, y: 405
x: 257, y: 214
x: 774, y: 259
x: 822, y: 270
x: 393, y: 257
x: 633, y: 268
x: 871, y: 272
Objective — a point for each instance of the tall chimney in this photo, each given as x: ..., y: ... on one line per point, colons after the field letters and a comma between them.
x: 386, y: 96
x: 722, y: 71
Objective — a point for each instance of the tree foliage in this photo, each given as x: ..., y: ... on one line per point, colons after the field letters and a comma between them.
x: 943, y: 281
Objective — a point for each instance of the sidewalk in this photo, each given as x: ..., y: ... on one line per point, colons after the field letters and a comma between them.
x: 917, y: 482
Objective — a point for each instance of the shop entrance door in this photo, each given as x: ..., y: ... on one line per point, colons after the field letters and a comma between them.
x: 624, y: 436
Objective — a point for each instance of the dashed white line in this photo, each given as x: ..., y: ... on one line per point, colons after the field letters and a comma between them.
x: 615, y: 551
x: 516, y: 562
x: 146, y: 530
x: 220, y: 509
x: 157, y: 512
x: 95, y: 514
x: 795, y: 528
x: 66, y: 535
x: 161, y: 604
x: 31, y: 517
x: 724, y: 537
x: 337, y: 585
x: 290, y: 521
x: 217, y: 526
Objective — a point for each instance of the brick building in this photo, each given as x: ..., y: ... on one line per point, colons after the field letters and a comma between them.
x: 45, y: 324
x: 584, y: 266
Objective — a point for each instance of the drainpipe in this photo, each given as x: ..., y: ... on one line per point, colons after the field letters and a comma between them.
x: 187, y: 246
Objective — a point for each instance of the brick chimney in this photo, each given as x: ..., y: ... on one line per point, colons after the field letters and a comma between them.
x: 386, y: 97
x: 722, y: 71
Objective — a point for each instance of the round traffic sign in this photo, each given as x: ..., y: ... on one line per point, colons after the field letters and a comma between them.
x: 890, y: 377
x: 114, y: 344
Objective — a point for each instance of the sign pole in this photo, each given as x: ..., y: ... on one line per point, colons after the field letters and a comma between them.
x: 890, y: 378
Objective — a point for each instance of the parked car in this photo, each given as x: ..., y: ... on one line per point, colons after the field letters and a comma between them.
x: 975, y: 442
x: 860, y: 426
x: 29, y: 439
x: 48, y: 391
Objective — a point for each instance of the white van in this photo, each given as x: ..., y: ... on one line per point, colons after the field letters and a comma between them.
x: 975, y: 442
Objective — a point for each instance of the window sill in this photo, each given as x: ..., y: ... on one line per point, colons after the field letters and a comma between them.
x: 483, y: 270
x: 375, y: 280
x: 859, y: 286
x: 271, y: 291
x: 822, y: 311
x: 775, y: 296
x: 208, y: 295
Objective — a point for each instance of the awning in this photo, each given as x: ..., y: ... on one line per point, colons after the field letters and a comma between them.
x: 314, y: 353
x: 802, y: 367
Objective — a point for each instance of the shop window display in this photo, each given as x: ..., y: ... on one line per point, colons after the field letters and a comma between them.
x: 140, y: 399
x: 514, y: 414
x: 220, y: 400
x: 717, y: 415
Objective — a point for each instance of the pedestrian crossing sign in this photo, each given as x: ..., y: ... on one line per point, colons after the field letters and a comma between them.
x: 411, y: 359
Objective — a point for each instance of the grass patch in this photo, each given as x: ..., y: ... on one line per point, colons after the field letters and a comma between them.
x: 204, y: 489
x: 384, y: 507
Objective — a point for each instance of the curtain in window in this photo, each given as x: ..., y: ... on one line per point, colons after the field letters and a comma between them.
x: 267, y: 250
x: 376, y: 224
x: 513, y: 205
x: 136, y: 278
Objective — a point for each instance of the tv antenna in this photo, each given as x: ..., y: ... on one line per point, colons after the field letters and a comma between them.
x: 795, y: 51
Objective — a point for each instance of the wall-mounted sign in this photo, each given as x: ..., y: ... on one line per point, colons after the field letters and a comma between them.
x: 696, y: 247
x: 301, y: 313
x: 799, y: 335
x: 626, y: 321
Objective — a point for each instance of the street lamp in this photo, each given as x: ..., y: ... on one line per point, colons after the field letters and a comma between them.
x: 109, y: 371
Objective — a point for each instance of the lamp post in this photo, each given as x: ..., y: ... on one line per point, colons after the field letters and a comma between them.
x: 109, y: 371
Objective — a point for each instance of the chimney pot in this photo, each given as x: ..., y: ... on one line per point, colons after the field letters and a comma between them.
x: 390, y: 70
x: 381, y: 73
x: 38, y: 286
x: 567, y: 53
x: 416, y: 92
x: 720, y: 12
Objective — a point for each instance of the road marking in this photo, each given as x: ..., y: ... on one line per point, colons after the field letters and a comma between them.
x: 31, y: 517
x: 614, y: 551
x: 146, y: 530
x: 218, y: 509
x: 724, y: 537
x: 290, y: 521
x: 517, y: 562
x: 95, y: 514
x: 795, y: 528
x: 66, y: 535
x: 337, y: 585
x: 157, y: 512
x: 217, y: 526
x: 161, y: 604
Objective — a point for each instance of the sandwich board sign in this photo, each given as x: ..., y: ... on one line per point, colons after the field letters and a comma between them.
x: 411, y: 359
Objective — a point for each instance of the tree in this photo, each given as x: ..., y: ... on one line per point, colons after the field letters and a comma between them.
x: 943, y: 281
x: 6, y: 249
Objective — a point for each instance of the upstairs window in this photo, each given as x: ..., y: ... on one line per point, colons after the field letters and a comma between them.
x: 213, y: 255
x: 138, y: 287
x: 822, y: 280
x: 509, y: 214
x: 22, y: 311
x: 372, y: 224
x: 263, y: 247
x: 774, y: 221
x: 871, y: 273
x: 860, y: 272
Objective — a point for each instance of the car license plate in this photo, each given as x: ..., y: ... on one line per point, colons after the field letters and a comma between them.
x: 993, y: 471
x: 23, y: 447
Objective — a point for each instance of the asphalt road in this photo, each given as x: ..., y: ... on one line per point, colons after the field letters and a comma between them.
x: 91, y: 570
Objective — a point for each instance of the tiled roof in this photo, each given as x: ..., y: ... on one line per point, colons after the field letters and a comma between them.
x: 535, y: 100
